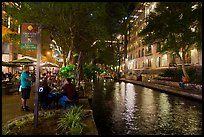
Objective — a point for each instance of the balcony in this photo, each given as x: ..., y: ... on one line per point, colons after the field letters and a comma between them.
x: 148, y: 53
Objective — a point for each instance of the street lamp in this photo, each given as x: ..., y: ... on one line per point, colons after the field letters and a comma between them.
x: 48, y: 53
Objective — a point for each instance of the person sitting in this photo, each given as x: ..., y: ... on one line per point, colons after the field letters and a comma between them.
x: 69, y: 90
x: 45, y: 98
x: 184, y: 79
x: 139, y: 77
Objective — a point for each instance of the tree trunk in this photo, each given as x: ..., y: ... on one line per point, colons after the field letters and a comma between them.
x: 71, y: 45
x: 118, y: 55
x: 64, y: 60
x: 79, y: 69
x: 125, y: 46
x: 183, y: 66
x: 69, y: 56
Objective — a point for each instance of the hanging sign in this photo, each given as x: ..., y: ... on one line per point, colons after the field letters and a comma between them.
x: 29, y: 38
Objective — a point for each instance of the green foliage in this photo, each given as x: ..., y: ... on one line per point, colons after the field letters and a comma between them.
x: 195, y: 76
x: 70, y: 122
x: 90, y: 71
x: 171, y: 25
x: 176, y: 74
x: 88, y: 74
x: 20, y: 123
x: 79, y: 23
x: 48, y: 115
x: 7, y: 132
x: 76, y: 129
x: 67, y: 72
x: 198, y: 79
x: 11, y: 37
x: 168, y: 73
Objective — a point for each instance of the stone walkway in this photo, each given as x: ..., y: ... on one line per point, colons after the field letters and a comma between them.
x: 192, y: 94
x: 11, y: 108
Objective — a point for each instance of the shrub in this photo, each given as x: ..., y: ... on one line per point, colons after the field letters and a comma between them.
x: 70, y: 123
x: 176, y: 74
x: 67, y: 72
x: 167, y: 73
x: 7, y: 132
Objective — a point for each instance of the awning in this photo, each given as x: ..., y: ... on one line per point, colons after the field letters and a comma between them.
x: 22, y: 61
x: 8, y: 64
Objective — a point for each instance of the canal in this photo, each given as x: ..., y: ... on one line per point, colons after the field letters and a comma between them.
x: 121, y: 108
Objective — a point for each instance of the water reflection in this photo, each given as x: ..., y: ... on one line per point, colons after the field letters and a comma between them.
x: 130, y: 107
x: 124, y: 108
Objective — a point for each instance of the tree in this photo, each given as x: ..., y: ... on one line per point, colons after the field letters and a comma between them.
x: 176, y: 26
x: 74, y: 26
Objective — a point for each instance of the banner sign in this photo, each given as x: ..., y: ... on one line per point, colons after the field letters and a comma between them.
x: 29, y: 36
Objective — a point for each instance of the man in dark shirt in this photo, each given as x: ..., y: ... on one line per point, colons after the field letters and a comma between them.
x: 44, y: 92
x: 70, y: 91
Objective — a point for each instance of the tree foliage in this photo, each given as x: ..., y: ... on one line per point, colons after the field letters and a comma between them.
x: 172, y: 25
x: 75, y: 26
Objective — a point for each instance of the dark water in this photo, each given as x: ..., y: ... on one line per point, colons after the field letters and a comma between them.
x: 125, y: 109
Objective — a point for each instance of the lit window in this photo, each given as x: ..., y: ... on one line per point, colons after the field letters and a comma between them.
x: 194, y: 7
x: 136, y: 17
x: 193, y: 29
x: 9, y: 22
x: 19, y: 29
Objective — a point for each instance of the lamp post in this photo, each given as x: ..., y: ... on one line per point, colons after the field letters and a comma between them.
x: 48, y: 53
x: 37, y: 77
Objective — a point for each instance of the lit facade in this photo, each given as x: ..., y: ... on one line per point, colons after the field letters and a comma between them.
x: 140, y: 56
x: 10, y: 50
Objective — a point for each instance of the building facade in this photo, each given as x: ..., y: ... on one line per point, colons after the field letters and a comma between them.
x: 141, y: 56
x: 11, y: 49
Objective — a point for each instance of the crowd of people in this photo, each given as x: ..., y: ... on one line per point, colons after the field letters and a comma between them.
x: 52, y: 91
x: 10, y: 77
x: 15, y: 77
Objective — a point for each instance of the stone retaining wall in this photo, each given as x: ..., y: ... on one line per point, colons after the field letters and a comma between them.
x: 176, y: 84
x: 167, y: 82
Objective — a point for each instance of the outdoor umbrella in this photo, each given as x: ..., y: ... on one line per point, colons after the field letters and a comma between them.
x: 8, y: 64
x: 22, y: 61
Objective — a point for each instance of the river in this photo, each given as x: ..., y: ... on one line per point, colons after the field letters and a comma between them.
x: 121, y: 108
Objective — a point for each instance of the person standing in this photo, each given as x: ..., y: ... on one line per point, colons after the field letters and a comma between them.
x: 25, y: 88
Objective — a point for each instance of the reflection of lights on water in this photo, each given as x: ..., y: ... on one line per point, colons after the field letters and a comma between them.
x: 148, y: 80
x: 164, y: 106
x: 130, y: 102
x: 148, y: 103
x: 142, y: 110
